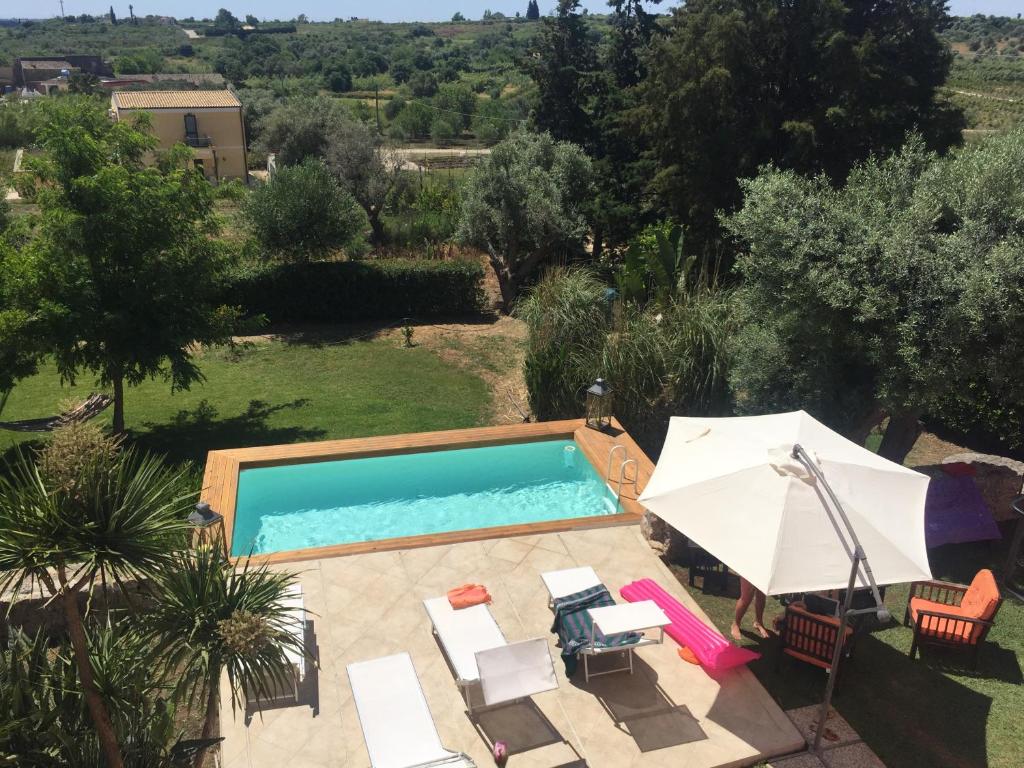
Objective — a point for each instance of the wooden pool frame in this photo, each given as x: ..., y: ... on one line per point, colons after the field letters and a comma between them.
x: 220, y: 481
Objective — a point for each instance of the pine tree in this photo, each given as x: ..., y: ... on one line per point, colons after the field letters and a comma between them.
x: 113, y: 18
x: 532, y: 10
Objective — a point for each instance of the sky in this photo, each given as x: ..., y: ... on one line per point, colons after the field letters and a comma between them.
x: 389, y: 10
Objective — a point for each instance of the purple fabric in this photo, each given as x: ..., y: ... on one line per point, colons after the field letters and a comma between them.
x: 955, y: 512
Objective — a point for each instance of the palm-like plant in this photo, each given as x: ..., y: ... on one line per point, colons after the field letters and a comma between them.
x: 212, y: 617
x: 118, y: 515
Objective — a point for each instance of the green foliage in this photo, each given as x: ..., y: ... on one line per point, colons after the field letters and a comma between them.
x: 564, y: 68
x: 303, y: 212
x: 144, y: 61
x: 211, y: 617
x: 655, y: 267
x: 492, y: 121
x: 524, y: 204
x: 122, y: 516
x: 458, y: 103
x: 41, y: 706
x: 660, y: 361
x: 813, y: 86
x: 899, y: 292
x: 355, y: 291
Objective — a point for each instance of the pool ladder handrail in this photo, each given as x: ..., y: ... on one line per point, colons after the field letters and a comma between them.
x: 623, y: 477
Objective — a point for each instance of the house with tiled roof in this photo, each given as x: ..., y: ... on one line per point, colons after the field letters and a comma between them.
x: 210, y: 122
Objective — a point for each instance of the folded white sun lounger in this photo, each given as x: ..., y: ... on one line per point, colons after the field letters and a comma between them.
x: 479, y: 653
x: 397, y: 726
x: 569, y: 581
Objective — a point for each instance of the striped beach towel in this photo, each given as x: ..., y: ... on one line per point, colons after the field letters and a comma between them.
x: 573, y: 626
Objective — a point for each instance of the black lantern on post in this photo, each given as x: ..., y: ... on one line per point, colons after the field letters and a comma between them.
x: 599, y: 405
x: 207, y: 528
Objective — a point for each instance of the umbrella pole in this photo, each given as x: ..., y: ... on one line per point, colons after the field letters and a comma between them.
x: 837, y: 654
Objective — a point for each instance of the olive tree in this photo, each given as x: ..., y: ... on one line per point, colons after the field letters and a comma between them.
x: 524, y: 204
x: 899, y: 294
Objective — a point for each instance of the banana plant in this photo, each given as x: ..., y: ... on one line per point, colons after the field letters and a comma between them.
x: 656, y: 267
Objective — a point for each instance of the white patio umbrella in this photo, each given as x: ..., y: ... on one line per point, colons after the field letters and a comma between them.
x: 792, y: 506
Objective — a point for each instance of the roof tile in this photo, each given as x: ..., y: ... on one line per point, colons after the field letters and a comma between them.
x: 174, y: 99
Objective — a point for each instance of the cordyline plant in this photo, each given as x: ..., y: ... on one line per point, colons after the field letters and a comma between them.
x: 120, y: 516
x: 211, y: 618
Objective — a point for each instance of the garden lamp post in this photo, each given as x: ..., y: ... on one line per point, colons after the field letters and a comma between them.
x: 207, y: 528
x: 599, y: 405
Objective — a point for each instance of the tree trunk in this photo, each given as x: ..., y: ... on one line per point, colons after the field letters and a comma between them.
x: 900, y: 436
x: 376, y: 227
x: 118, y: 404
x: 598, y: 244
x: 859, y: 434
x: 509, y: 286
x: 212, y: 713
x: 97, y: 707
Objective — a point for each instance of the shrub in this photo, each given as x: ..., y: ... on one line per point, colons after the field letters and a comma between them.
x: 661, y: 360
x: 304, y: 211
x: 352, y: 291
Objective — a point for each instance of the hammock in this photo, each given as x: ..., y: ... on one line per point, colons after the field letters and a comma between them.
x: 93, y: 405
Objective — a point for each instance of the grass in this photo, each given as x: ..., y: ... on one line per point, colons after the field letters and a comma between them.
x: 932, y: 711
x: 309, y: 388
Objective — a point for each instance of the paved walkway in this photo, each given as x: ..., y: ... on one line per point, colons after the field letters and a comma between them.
x: 669, y: 713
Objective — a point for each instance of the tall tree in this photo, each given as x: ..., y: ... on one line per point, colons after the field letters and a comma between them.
x: 113, y: 18
x: 524, y: 204
x: 532, y: 11
x: 564, y: 67
x: 87, y: 511
x: 814, y: 86
x: 898, y: 295
x: 123, y: 275
x: 352, y: 151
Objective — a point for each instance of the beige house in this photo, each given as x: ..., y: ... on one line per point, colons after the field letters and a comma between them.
x: 210, y: 122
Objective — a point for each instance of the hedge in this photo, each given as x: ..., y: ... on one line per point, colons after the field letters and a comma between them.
x: 350, y: 291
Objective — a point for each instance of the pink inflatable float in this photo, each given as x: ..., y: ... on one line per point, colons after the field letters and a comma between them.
x: 714, y: 652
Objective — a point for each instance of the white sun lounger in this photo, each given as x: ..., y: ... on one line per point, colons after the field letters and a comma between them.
x: 479, y: 653
x: 393, y: 713
x: 294, y: 623
x: 569, y: 581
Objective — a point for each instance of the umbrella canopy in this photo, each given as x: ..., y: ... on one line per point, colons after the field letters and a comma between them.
x: 732, y: 486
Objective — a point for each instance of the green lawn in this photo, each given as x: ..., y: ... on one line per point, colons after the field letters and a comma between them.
x: 277, y: 392
x: 932, y: 712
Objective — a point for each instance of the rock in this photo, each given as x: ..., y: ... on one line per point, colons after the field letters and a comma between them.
x: 999, y: 479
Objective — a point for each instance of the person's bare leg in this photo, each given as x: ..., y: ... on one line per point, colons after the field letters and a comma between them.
x: 759, y: 603
x: 746, y: 596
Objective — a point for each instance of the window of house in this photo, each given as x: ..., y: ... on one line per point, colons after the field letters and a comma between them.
x: 191, y: 128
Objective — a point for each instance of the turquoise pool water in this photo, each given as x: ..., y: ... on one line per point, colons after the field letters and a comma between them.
x: 354, y: 500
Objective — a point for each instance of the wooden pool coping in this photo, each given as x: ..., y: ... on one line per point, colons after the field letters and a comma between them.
x: 220, y: 481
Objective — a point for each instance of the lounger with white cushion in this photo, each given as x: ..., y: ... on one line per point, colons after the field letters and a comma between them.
x: 393, y: 713
x: 569, y: 581
x: 479, y: 653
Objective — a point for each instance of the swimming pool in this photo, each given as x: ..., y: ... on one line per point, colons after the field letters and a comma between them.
x: 323, y: 503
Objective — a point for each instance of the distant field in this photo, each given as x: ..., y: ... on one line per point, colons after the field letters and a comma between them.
x: 990, y: 90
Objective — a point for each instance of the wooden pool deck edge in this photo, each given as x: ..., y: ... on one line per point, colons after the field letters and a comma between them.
x: 220, y: 481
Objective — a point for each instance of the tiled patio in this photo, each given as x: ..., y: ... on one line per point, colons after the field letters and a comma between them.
x: 669, y: 713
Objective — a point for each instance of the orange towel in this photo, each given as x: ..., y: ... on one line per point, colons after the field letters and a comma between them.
x: 468, y: 595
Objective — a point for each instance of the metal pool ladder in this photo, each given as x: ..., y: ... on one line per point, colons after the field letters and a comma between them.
x: 623, y: 476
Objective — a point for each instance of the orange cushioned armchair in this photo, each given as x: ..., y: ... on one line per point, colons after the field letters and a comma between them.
x: 953, y: 615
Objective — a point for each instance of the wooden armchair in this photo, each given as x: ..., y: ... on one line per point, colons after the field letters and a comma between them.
x: 810, y: 637
x: 953, y: 615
